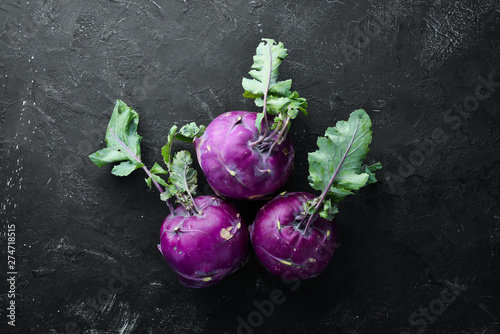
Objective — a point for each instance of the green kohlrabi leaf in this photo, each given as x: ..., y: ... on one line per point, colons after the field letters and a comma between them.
x: 190, y: 131
x: 336, y: 167
x: 167, y: 148
x: 265, y: 84
x: 157, y: 179
x: 182, y: 175
x: 370, y: 170
x: 124, y: 168
x: 187, y: 133
x: 328, y: 210
x: 169, y: 192
x: 157, y: 169
x: 122, y: 141
x: 264, y: 70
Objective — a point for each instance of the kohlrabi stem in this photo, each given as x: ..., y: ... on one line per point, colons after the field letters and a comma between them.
x: 276, y: 129
x: 285, y: 135
x: 184, y: 200
x: 189, y: 192
x: 157, y: 185
x: 327, y: 188
x: 160, y: 189
x: 278, y: 139
x: 258, y: 141
x: 265, y: 138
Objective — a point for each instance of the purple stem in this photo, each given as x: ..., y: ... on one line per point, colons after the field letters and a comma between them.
x: 189, y: 192
x: 278, y: 139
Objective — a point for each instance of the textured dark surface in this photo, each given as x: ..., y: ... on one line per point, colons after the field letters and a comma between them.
x: 432, y: 220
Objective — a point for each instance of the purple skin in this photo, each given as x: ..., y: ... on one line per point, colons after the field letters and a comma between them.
x: 282, y: 247
x: 203, y: 249
x: 236, y: 169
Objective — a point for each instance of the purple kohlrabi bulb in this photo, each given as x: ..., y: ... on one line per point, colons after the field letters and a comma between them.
x: 283, y: 246
x: 234, y: 167
x: 204, y: 248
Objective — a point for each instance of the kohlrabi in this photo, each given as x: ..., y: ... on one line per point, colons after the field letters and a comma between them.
x: 248, y: 155
x: 203, y: 239
x: 294, y: 234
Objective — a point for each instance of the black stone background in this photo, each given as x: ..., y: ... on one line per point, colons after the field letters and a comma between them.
x: 433, y: 218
